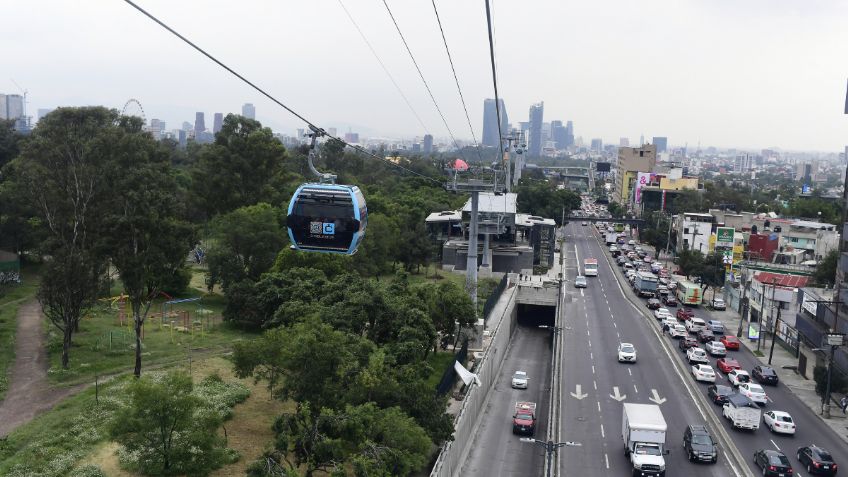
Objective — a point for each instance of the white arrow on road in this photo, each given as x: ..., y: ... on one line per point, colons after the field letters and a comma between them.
x: 617, y: 396
x: 578, y: 394
x: 656, y: 397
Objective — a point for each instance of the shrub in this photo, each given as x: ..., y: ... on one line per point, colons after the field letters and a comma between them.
x: 87, y: 471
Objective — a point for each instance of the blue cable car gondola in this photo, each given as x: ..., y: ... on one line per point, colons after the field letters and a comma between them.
x: 326, y: 217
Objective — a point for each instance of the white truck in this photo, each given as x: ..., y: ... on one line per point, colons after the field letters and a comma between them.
x: 643, y: 430
x: 590, y: 267
x: 741, y: 412
x: 611, y: 237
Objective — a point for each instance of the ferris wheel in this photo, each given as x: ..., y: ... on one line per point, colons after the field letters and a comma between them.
x: 133, y: 108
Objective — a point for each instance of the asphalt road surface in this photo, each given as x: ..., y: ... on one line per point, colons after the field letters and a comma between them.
x: 496, y: 451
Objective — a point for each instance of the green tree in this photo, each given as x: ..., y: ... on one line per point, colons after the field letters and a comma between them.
x: 825, y: 274
x: 542, y: 198
x: 616, y: 210
x: 166, y: 428
x: 244, y: 245
x: 241, y: 168
x: 10, y: 142
x: 377, y: 252
x: 450, y: 309
x: 277, y: 299
x: 690, y: 262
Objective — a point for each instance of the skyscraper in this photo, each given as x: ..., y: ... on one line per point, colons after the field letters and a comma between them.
x: 14, y: 106
x: 183, y: 139
x: 428, y: 144
x: 217, y: 123
x: 559, y: 134
x: 537, y: 112
x: 624, y: 142
x: 248, y: 111
x: 569, y: 133
x: 597, y: 145
x: 490, y: 122
x: 661, y: 143
x: 199, y: 126
x: 2, y: 106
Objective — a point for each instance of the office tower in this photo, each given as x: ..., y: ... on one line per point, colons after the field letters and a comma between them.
x: 428, y: 144
x: 156, y: 128
x: 14, y: 106
x: 624, y: 142
x: 569, y: 133
x: 641, y: 140
x: 183, y: 138
x: 597, y: 145
x: 559, y: 134
x: 352, y: 137
x: 217, y: 123
x: 742, y: 163
x: 490, y: 122
x: 661, y: 143
x: 537, y: 112
x: 187, y: 126
x: 248, y: 111
x: 199, y: 125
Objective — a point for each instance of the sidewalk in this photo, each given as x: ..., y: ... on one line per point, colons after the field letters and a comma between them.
x: 785, y: 364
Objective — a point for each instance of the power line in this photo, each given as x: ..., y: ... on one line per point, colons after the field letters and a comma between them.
x: 461, y: 98
x: 494, y: 74
x: 421, y: 75
x: 275, y: 100
x: 386, y: 70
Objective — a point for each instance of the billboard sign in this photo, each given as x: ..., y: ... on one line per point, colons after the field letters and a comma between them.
x: 724, y: 236
x: 642, y: 179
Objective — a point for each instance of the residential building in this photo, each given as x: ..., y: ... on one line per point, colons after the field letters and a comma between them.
x: 742, y: 163
x: 428, y: 144
x: 693, y: 231
x: 816, y: 239
x: 769, y: 292
x: 661, y: 143
x: 217, y: 123
x: 631, y: 161
x: 490, y: 122
x: 248, y: 111
x: 534, y: 146
x: 815, y: 318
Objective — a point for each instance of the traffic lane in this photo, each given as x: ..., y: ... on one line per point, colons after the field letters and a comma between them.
x: 641, y: 382
x: 496, y: 451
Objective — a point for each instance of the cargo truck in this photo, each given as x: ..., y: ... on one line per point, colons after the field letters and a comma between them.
x: 645, y: 284
x: 611, y: 238
x: 742, y: 412
x: 524, y: 419
x: 688, y: 293
x: 643, y: 430
x: 590, y: 267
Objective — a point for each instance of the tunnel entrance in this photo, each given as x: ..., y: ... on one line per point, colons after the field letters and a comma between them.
x: 536, y: 315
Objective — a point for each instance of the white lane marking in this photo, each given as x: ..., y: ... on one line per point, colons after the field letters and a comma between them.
x: 581, y: 292
x: 599, y: 410
x: 606, y: 459
x: 587, y: 333
x: 636, y: 389
x: 603, y: 434
x: 593, y: 369
x: 629, y: 372
x: 592, y: 357
x: 615, y: 324
x: 775, y: 445
x: 595, y: 383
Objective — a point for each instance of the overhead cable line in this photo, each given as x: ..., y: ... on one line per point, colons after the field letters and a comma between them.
x: 461, y: 98
x: 494, y: 74
x: 421, y: 75
x: 275, y: 100
x: 386, y: 70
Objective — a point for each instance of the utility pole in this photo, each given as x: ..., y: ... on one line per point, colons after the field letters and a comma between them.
x: 774, y: 335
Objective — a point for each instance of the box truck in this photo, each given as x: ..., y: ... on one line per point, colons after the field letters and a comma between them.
x: 643, y: 430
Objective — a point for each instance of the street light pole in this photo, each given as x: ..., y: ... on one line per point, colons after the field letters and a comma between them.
x: 550, y: 448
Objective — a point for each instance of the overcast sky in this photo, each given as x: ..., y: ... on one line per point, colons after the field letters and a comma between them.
x: 752, y: 73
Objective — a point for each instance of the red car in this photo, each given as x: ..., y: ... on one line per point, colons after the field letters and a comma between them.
x: 725, y: 365
x: 730, y: 342
x: 684, y: 314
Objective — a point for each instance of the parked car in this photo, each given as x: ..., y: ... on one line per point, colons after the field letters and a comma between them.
x: 687, y: 342
x: 718, y: 304
x: 699, y: 444
x: 684, y: 314
x: 738, y: 376
x: 754, y: 392
x: 817, y: 460
x: 697, y: 355
x: 716, y: 326
x: 626, y: 353
x: 580, y: 281
x: 773, y: 462
x: 669, y: 300
x: 703, y: 372
x: 715, y: 348
x: 726, y: 365
x: 705, y: 335
x: 719, y: 392
x: 519, y: 380
x: 730, y: 342
x: 764, y: 375
x: 653, y: 304
x: 779, y: 422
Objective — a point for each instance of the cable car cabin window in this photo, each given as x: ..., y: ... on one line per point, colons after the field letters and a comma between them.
x: 327, y: 218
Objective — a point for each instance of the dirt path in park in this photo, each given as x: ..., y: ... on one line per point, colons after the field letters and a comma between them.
x: 29, y: 392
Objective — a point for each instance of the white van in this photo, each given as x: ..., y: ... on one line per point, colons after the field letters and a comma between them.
x: 694, y: 325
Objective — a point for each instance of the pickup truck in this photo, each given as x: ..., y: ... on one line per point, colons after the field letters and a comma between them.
x: 643, y: 430
x: 524, y: 419
x: 741, y: 412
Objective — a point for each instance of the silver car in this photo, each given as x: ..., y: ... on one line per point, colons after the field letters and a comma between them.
x: 519, y: 380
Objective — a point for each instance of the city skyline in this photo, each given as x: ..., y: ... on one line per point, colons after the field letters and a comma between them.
x: 759, y: 75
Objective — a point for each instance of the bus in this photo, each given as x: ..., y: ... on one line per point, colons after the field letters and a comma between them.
x: 590, y: 267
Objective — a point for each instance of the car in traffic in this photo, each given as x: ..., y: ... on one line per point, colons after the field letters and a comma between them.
x: 687, y: 342
x: 685, y: 314
x: 653, y: 304
x: 621, y: 261
x: 519, y: 380
x: 626, y: 353
x: 719, y: 393
x: 754, y: 392
x: 779, y: 422
x: 716, y: 326
x: 662, y: 313
x: 738, y: 376
x: 817, y: 460
x: 773, y: 463
x: 580, y: 282
x: 703, y: 372
x: 699, y: 444
x: 584, y: 224
x: 697, y: 355
x: 730, y: 342
x: 678, y: 331
x: 705, y: 335
x: 718, y: 304
x: 669, y: 300
x: 695, y: 324
x: 726, y: 365
x: 764, y: 375
x: 715, y: 348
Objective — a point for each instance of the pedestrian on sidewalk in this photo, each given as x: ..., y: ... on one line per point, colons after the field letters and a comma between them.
x: 843, y: 403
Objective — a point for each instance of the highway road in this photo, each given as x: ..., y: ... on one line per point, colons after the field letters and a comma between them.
x: 496, y: 451
x: 596, y: 320
x: 810, y: 429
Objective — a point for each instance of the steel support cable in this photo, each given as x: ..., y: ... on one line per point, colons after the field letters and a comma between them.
x: 275, y: 100
x: 456, y: 79
x: 421, y: 75
x: 385, y: 69
x: 494, y: 74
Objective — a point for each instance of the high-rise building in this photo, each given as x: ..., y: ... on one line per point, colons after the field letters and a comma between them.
x: 14, y: 106
x: 632, y: 161
x: 559, y: 134
x: 490, y: 122
x: 661, y: 143
x: 183, y: 138
x: 199, y: 126
x: 248, y: 111
x: 187, y: 126
x: 537, y: 113
x: 352, y: 137
x: 156, y: 128
x: 597, y: 145
x: 217, y: 123
x: 742, y: 163
x: 3, y: 106
x: 428, y: 144
x: 624, y: 142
